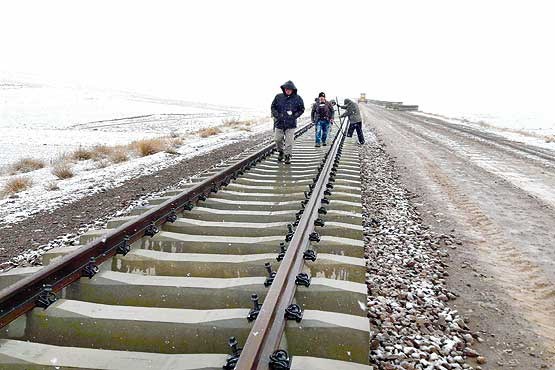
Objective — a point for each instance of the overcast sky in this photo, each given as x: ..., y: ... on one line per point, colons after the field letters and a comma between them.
x: 466, y: 55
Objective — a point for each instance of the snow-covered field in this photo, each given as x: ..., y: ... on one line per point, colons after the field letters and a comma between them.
x: 47, y: 122
x: 531, y: 129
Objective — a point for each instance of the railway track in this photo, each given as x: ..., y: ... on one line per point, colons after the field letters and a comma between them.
x: 259, y: 265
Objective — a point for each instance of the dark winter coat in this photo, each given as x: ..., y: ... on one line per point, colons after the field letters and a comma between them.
x: 352, y: 111
x: 286, y: 109
x: 318, y: 115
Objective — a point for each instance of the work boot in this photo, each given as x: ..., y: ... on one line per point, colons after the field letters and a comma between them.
x: 317, y: 145
x: 287, y: 159
x: 324, y: 144
x: 280, y: 156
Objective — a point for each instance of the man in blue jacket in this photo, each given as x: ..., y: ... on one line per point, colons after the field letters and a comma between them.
x: 286, y: 108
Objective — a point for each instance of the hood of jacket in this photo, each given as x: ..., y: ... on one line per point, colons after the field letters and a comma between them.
x: 289, y: 85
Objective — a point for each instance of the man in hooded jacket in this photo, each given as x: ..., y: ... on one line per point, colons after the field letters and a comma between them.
x: 355, y: 120
x: 286, y: 108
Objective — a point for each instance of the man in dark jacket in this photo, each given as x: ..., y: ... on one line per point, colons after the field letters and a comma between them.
x: 355, y: 120
x: 322, y: 116
x: 286, y: 108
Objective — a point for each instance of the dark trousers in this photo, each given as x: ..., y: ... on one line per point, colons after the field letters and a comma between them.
x: 356, y: 126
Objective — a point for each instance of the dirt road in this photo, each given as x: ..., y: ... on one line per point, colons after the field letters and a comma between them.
x: 498, y: 198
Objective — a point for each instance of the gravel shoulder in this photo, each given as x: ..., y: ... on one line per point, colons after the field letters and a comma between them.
x: 493, y: 202
x: 64, y: 224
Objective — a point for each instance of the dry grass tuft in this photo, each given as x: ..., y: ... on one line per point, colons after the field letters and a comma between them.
x: 172, y: 144
x: 149, y: 146
x: 102, y: 151
x: 62, y: 170
x: 233, y: 122
x: 26, y: 165
x: 175, y: 141
x: 118, y: 155
x: 16, y: 185
x: 82, y: 154
x: 210, y: 131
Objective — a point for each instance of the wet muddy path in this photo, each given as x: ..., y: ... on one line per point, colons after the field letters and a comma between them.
x: 499, y: 198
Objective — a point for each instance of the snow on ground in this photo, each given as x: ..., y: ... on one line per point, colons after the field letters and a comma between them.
x: 48, y: 122
x: 90, y: 180
x: 540, y: 134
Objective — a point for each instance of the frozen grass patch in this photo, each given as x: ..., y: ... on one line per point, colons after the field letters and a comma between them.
x: 102, y: 151
x: 176, y: 141
x: 16, y: 185
x: 210, y: 131
x: 26, y: 165
x: 118, y: 155
x: 148, y: 146
x: 82, y: 154
x: 96, y: 153
x: 173, y: 144
x: 233, y: 122
x: 62, y: 170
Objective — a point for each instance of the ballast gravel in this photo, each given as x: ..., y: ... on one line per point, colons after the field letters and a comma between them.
x: 412, y: 325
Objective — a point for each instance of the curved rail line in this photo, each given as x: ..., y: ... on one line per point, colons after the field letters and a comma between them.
x: 183, y: 278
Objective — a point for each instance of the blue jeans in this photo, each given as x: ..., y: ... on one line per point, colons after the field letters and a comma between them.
x: 322, y: 128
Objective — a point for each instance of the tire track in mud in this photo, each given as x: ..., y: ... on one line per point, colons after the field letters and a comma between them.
x: 530, y: 292
x: 537, y: 179
x: 521, y: 278
x: 499, y: 141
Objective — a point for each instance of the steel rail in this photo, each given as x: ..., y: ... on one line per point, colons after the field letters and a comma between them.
x: 267, y: 331
x: 24, y: 295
